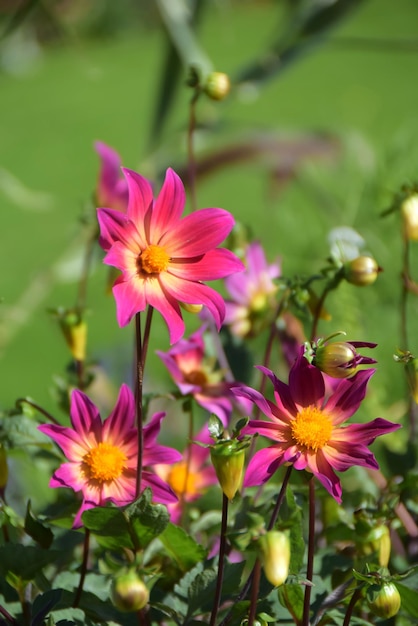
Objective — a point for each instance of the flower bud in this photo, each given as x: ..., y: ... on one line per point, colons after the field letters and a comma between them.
x: 217, y: 85
x: 275, y: 556
x: 377, y: 541
x: 129, y: 592
x: 191, y: 308
x: 340, y: 359
x: 74, y: 329
x: 409, y: 211
x: 361, y: 271
x: 384, y: 600
x: 228, y: 458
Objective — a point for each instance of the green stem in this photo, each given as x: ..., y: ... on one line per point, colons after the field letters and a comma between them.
x: 190, y: 149
x: 317, y: 313
x: 255, y: 587
x: 221, y: 561
x: 311, y: 554
x: 35, y: 406
x: 242, y: 595
x: 83, y: 569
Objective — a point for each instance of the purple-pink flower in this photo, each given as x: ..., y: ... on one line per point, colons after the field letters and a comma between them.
x: 111, y: 190
x: 165, y: 259
x: 308, y: 429
x: 252, y: 293
x: 194, y: 373
x: 102, y: 456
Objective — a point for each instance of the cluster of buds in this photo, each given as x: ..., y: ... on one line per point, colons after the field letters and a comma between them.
x: 338, y: 359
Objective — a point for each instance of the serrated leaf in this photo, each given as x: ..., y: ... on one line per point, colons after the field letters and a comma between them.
x: 148, y: 520
x: 35, y: 529
x: 183, y: 548
x: 110, y: 527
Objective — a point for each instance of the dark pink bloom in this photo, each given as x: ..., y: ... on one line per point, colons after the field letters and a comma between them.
x: 252, y: 293
x: 165, y: 259
x: 102, y: 456
x: 307, y: 428
x: 194, y: 373
x: 112, y: 190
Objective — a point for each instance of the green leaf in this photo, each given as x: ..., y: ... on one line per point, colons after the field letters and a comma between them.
x: 39, y: 533
x: 110, y: 527
x: 409, y: 599
x: 291, y: 597
x: 147, y: 520
x: 183, y: 548
x: 25, y: 561
x: 293, y: 521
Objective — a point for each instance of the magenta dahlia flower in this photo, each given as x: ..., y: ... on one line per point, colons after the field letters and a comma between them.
x: 111, y: 190
x: 195, y: 374
x: 252, y: 293
x: 307, y: 428
x: 165, y: 259
x: 102, y: 456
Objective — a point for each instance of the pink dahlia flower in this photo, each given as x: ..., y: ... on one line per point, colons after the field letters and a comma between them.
x: 194, y: 373
x: 165, y: 259
x: 307, y: 428
x: 102, y: 456
x: 252, y: 293
x: 112, y: 190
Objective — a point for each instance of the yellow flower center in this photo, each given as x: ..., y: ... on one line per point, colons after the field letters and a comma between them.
x: 153, y: 260
x: 311, y: 428
x: 104, y: 462
x: 196, y: 377
x: 182, y: 480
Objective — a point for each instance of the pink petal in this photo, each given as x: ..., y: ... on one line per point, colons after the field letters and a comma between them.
x: 267, y: 407
x: 124, y: 259
x: 282, y: 395
x: 347, y: 396
x: 364, y: 433
x: 194, y: 293
x: 121, y: 421
x: 167, y: 304
x: 113, y: 227
x: 161, y: 492
x: 70, y: 442
x: 306, y: 383
x: 120, y: 491
x: 69, y: 475
x: 85, y: 418
x: 263, y: 465
x: 342, y: 455
x: 211, y: 266
x: 168, y: 206
x: 271, y: 430
x: 198, y: 233
x: 130, y: 299
x: 140, y: 199
x: 321, y: 468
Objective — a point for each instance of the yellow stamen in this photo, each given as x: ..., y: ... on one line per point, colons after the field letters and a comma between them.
x: 182, y: 480
x: 311, y: 428
x: 153, y: 260
x: 196, y: 377
x: 104, y: 462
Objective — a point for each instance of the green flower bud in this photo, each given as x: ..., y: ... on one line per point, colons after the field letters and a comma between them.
x: 409, y: 212
x: 74, y: 329
x: 228, y: 458
x: 384, y: 600
x: 377, y: 541
x: 361, y: 271
x: 217, y: 85
x: 129, y: 592
x: 275, y: 556
x: 340, y: 359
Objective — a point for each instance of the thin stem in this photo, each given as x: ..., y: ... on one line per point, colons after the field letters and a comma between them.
x: 311, y: 553
x: 271, y: 523
x: 141, y: 355
x: 8, y: 617
x: 255, y: 587
x: 44, y: 412
x: 404, y: 294
x: 83, y: 568
x: 317, y: 312
x: 222, y: 547
x: 188, y: 458
x: 190, y: 149
x: 353, y: 601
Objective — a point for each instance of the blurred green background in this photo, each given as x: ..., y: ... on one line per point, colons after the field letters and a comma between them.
x: 73, y: 73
